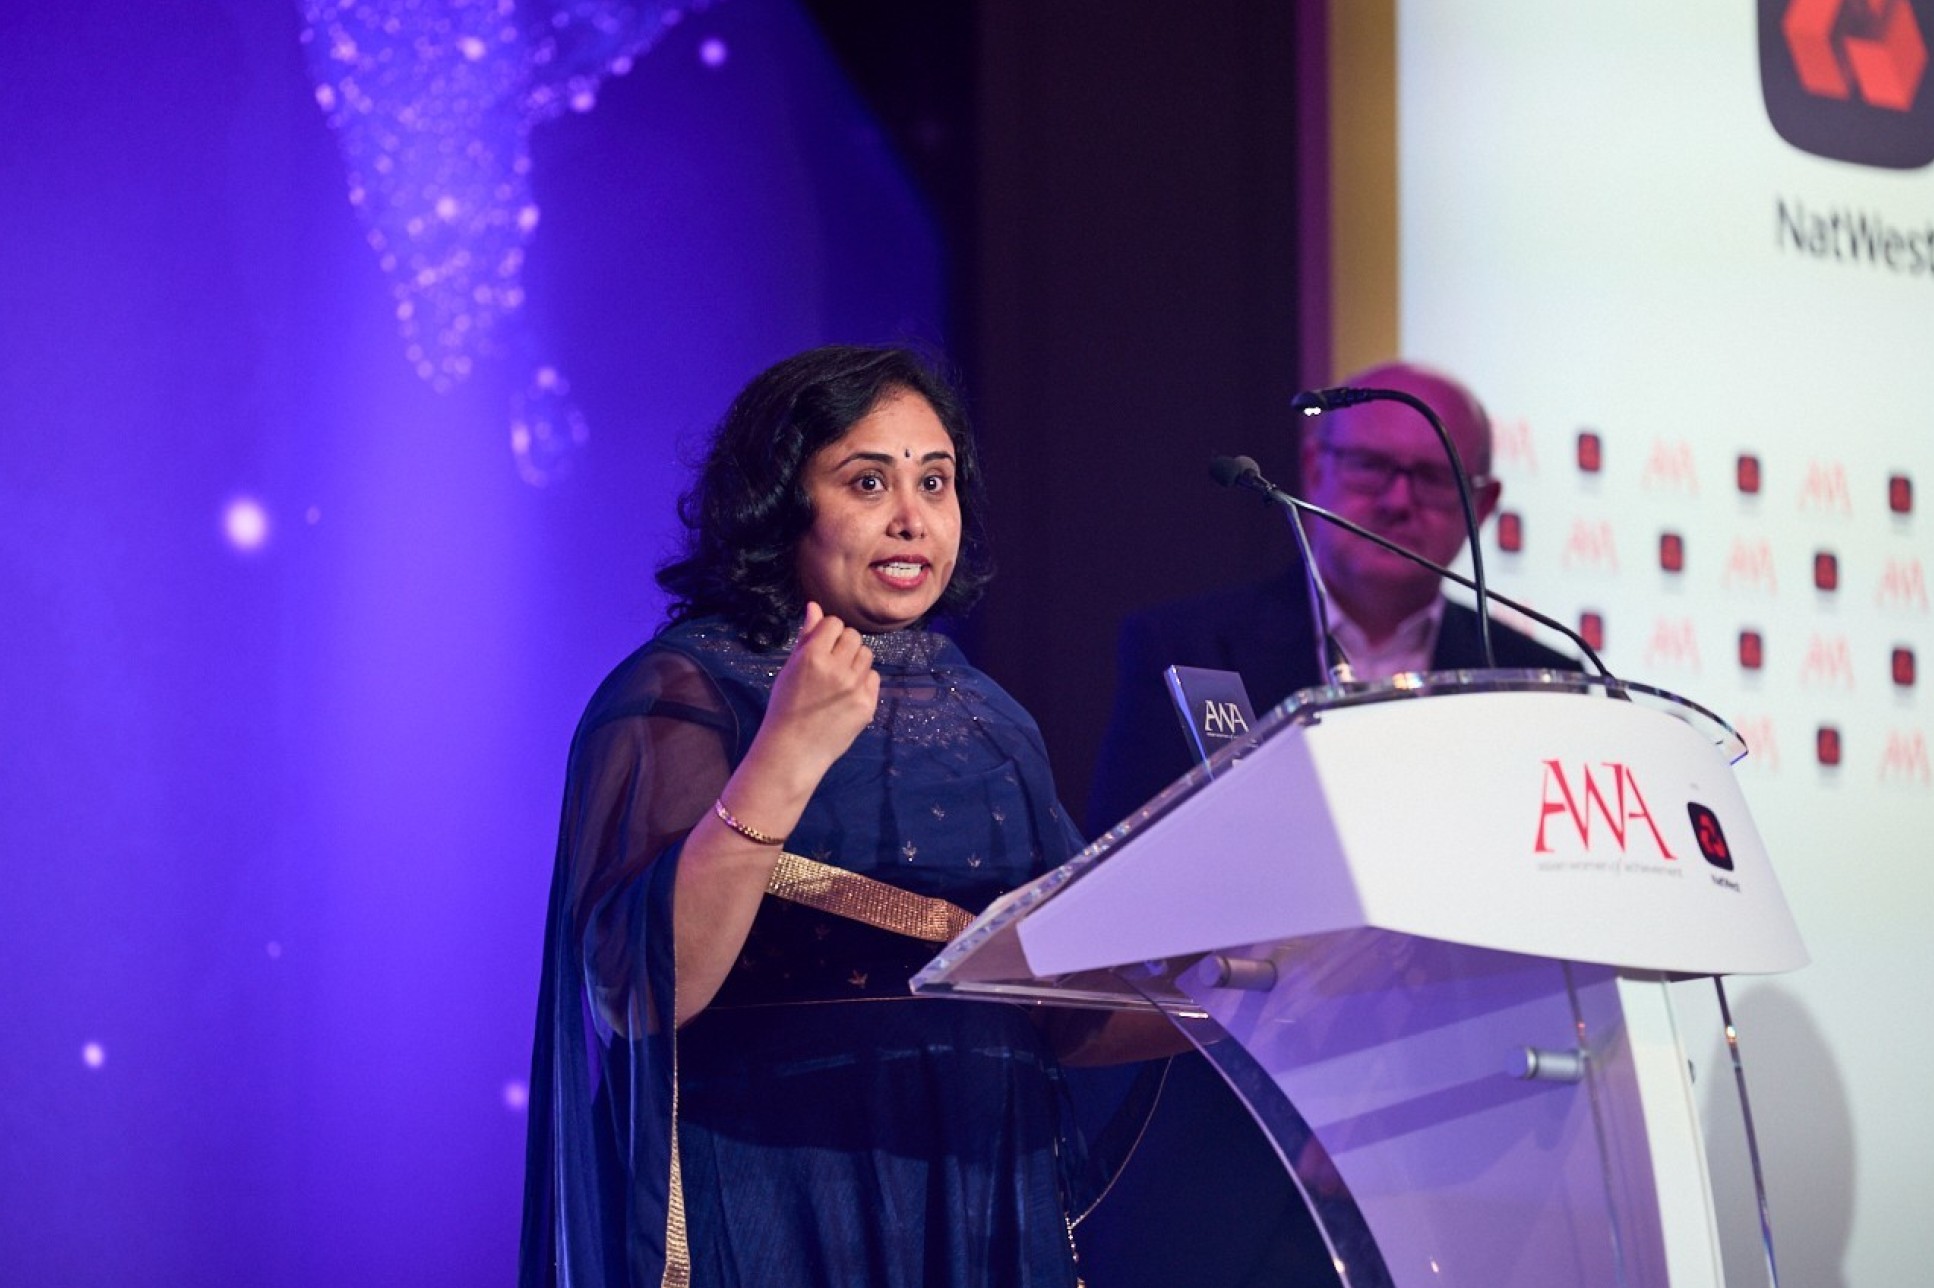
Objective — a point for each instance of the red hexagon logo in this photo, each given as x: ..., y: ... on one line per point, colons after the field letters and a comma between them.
x: 1872, y: 45
x: 1848, y: 79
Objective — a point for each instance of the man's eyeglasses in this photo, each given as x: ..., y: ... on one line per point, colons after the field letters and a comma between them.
x: 1368, y: 473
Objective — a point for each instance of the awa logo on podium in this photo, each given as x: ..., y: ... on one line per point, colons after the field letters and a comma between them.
x: 1581, y: 793
x: 1847, y: 79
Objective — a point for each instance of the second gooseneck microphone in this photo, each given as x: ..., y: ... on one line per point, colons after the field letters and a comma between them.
x: 1314, y: 402
x: 1242, y: 471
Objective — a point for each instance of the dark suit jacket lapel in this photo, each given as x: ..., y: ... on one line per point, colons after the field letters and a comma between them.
x: 1459, y: 645
x: 1273, y: 646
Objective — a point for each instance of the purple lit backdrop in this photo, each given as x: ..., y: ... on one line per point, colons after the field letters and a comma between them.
x: 276, y: 823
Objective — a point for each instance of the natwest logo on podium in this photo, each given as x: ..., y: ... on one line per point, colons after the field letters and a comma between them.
x: 1709, y: 836
x: 1847, y: 79
x: 1590, y: 810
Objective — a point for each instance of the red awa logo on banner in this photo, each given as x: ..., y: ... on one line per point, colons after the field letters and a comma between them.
x: 1825, y: 490
x: 1828, y: 664
x: 1847, y: 79
x: 1590, y: 545
x: 1512, y: 448
x: 1750, y: 566
x: 1903, y: 584
x: 1670, y: 468
x: 1674, y: 643
x: 1905, y: 759
x: 1762, y: 742
x: 1625, y: 807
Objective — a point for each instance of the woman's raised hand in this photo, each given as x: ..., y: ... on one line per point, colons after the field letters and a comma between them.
x: 825, y: 694
x: 822, y: 698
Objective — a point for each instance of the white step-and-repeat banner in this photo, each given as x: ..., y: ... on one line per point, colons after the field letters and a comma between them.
x: 1685, y: 253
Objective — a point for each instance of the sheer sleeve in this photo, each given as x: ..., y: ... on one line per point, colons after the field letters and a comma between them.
x: 652, y: 752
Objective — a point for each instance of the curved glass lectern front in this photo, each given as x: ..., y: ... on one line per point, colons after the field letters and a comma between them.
x: 1427, y: 931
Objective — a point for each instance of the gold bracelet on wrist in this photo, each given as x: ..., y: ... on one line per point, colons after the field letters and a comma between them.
x: 751, y: 834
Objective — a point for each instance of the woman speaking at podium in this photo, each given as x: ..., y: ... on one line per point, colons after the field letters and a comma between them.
x: 775, y: 811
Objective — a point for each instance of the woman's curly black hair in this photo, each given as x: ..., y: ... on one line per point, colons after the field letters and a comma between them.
x: 745, y: 513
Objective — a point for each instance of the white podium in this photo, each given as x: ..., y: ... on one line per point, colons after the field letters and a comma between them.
x: 1427, y: 931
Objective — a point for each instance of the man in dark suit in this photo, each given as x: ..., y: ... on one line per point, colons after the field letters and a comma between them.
x: 1379, y: 465
x: 1202, y: 1200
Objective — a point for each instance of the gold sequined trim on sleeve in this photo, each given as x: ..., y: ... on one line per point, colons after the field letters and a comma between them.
x: 798, y: 879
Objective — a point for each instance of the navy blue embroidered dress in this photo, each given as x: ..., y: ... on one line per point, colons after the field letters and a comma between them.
x: 815, y: 1125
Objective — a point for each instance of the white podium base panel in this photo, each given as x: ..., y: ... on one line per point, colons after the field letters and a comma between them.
x: 1397, y: 1052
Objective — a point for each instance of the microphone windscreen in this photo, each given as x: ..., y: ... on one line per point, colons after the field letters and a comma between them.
x: 1230, y: 470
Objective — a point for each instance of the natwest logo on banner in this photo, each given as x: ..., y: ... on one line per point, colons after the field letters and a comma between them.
x: 1592, y: 810
x: 1848, y: 79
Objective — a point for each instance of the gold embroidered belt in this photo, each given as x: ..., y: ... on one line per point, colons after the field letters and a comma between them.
x: 798, y: 879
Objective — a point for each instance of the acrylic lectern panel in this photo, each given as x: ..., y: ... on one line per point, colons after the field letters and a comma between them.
x: 1387, y: 1071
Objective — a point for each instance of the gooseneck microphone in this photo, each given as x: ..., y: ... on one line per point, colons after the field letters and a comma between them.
x: 1231, y: 471
x: 1314, y: 402
x: 1242, y: 471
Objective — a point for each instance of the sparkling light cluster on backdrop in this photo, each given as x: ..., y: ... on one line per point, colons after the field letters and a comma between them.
x: 275, y: 960
x: 433, y: 102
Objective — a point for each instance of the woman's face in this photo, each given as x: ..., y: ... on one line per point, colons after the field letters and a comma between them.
x: 886, y: 518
